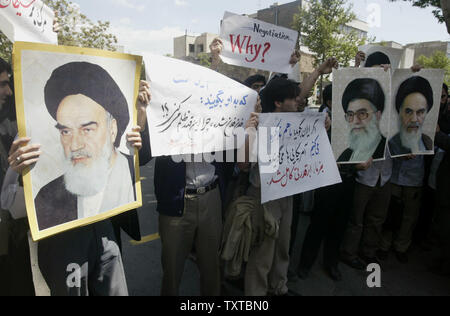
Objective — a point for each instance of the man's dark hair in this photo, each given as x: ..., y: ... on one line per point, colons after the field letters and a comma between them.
x: 327, y: 94
x: 9, y: 109
x: 4, y: 66
x: 254, y: 79
x: 278, y: 90
x: 445, y: 87
x: 368, y: 89
x: 377, y: 58
x: 414, y: 84
x: 93, y: 82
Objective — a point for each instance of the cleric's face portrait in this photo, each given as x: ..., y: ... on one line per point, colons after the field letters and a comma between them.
x: 85, y: 128
x: 363, y: 118
x: 413, y: 113
x: 87, y: 133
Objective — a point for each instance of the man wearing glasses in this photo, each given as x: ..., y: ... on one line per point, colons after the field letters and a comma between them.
x: 363, y: 102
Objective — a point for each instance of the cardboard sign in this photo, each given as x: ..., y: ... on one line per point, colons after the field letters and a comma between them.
x: 256, y: 44
x: 194, y: 109
x: 300, y: 158
x: 27, y: 21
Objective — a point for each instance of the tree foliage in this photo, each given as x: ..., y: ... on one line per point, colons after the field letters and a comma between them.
x: 438, y: 60
x: 323, y: 28
x: 441, y: 9
x: 427, y: 3
x: 76, y: 30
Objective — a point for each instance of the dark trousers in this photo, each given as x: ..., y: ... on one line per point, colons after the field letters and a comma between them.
x: 298, y: 200
x: 83, y: 262
x: 16, y: 278
x: 328, y: 224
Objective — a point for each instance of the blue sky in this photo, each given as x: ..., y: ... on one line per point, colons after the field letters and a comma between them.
x: 150, y: 25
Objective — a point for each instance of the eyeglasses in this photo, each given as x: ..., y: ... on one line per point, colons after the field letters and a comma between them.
x: 362, y: 115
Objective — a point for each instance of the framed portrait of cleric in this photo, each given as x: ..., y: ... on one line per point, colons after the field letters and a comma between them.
x: 360, y: 114
x: 78, y: 104
x: 382, y: 55
x: 415, y: 111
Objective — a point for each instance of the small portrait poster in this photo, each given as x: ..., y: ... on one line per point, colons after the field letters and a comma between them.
x: 78, y: 104
x: 361, y: 114
x: 381, y: 55
x: 415, y: 111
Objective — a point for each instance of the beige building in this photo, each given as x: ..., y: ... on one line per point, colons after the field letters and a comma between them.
x: 413, y: 51
x: 190, y: 46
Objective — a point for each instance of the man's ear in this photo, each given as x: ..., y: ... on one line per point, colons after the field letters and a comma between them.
x: 278, y: 104
x: 379, y: 114
x: 114, y: 131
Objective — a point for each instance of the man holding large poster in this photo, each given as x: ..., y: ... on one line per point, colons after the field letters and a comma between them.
x: 414, y: 101
x: 363, y: 104
x: 91, y: 120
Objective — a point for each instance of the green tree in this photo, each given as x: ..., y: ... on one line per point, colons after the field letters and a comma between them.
x: 438, y: 60
x: 441, y: 9
x: 204, y: 59
x: 323, y: 28
x: 76, y: 30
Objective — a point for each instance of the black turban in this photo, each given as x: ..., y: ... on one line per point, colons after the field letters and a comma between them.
x: 368, y: 89
x: 93, y: 82
x: 377, y: 58
x: 414, y: 85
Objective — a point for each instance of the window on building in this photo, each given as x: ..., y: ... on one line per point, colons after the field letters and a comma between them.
x: 200, y: 48
x: 191, y: 48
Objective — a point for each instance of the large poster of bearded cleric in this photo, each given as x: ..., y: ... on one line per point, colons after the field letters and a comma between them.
x: 78, y: 104
x: 415, y: 111
x: 361, y: 113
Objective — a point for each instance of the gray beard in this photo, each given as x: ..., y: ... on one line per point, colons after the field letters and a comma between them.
x: 411, y: 140
x: 84, y: 181
x: 364, y: 144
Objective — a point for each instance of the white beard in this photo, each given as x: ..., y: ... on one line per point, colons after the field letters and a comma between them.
x: 364, y: 144
x: 411, y: 140
x: 82, y: 180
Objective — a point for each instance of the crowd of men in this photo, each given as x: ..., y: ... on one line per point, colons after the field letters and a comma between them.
x: 379, y: 208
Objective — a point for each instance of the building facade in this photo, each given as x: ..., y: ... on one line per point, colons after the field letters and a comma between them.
x: 191, y: 46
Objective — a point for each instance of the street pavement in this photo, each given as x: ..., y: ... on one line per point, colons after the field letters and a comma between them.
x: 144, y: 273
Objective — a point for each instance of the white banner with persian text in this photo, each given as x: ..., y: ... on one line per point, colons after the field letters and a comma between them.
x: 27, y: 21
x: 194, y: 109
x: 304, y: 160
x: 255, y: 44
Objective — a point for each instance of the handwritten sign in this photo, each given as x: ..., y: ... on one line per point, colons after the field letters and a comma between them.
x: 304, y: 161
x: 194, y: 109
x: 27, y: 21
x: 256, y: 44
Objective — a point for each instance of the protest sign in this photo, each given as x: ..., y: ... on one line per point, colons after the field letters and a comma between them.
x: 194, y: 109
x: 298, y: 156
x: 361, y: 114
x: 27, y: 21
x: 256, y: 44
x: 415, y: 111
x: 78, y: 104
x: 381, y: 55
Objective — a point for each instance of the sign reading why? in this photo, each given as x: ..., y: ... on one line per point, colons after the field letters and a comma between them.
x: 255, y: 44
x: 27, y: 21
